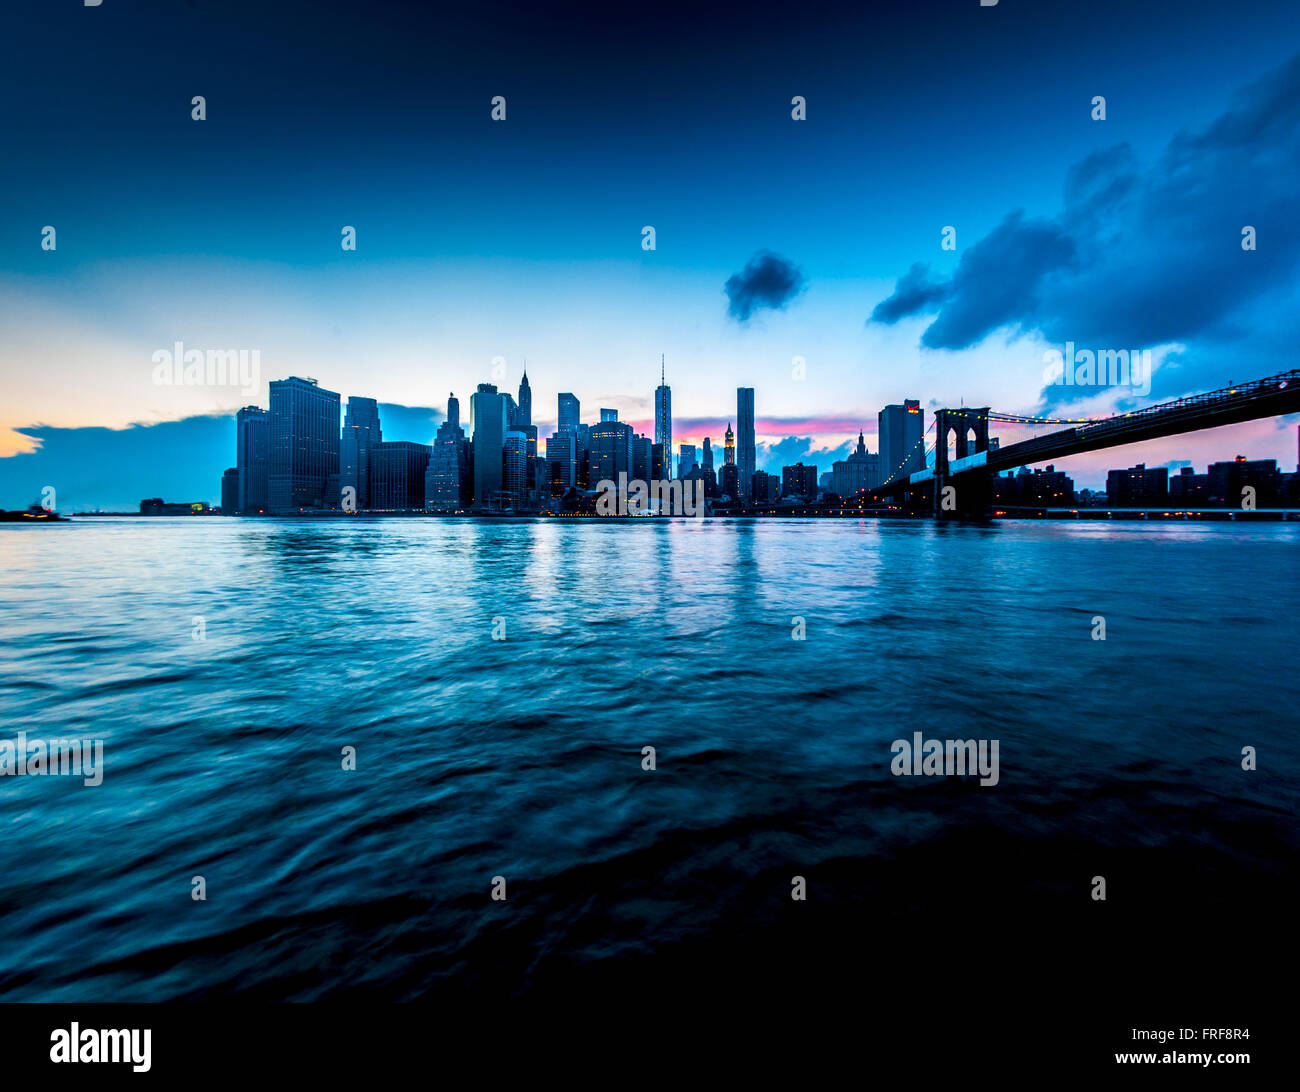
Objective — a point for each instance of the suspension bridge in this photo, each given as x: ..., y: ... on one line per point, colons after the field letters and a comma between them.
x: 971, y: 466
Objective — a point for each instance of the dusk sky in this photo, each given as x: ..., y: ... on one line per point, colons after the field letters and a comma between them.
x: 775, y: 239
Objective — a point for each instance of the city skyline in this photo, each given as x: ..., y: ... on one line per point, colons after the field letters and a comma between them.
x: 827, y: 285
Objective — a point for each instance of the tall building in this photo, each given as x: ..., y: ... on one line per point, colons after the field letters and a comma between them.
x: 706, y: 457
x: 611, y: 449
x: 647, y: 460
x: 685, y: 460
x: 799, y: 481
x: 745, y: 453
x: 487, y: 422
x: 397, y: 473
x: 861, y: 470
x: 514, y: 467
x: 899, y: 432
x: 524, y: 417
x: 729, y: 447
x: 1138, y: 486
x: 562, y: 454
x: 569, y: 411
x: 304, y: 445
x: 252, y: 458
x: 230, y: 491
x: 446, y: 481
x: 360, y: 431
x: 664, y: 420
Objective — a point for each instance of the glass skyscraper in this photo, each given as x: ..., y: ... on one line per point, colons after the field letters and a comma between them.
x: 252, y: 459
x: 487, y: 422
x: 360, y: 431
x: 664, y: 420
x: 304, y: 445
x: 900, y: 429
x: 745, y: 453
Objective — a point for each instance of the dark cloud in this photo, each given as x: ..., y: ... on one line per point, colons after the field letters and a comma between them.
x: 914, y: 292
x: 1145, y: 254
x: 768, y: 280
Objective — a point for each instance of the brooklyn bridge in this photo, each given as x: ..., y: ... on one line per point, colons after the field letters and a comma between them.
x: 959, y: 484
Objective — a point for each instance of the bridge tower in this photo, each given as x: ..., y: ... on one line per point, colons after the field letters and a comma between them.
x: 973, y: 489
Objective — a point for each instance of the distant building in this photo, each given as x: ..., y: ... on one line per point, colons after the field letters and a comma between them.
x: 253, y: 458
x: 304, y: 445
x: 729, y: 447
x: 664, y: 423
x: 729, y: 484
x: 447, y: 485
x: 562, y: 454
x: 1188, y: 487
x: 745, y: 438
x: 861, y: 470
x: 230, y: 492
x: 360, y: 431
x: 899, y: 432
x: 515, y: 466
x: 524, y: 413
x: 487, y: 419
x: 156, y: 506
x: 1138, y: 487
x: 1230, y: 480
x: 569, y: 411
x: 397, y: 474
x: 799, y: 481
x: 766, y: 487
x: 611, y: 449
x: 1049, y: 488
x: 685, y: 460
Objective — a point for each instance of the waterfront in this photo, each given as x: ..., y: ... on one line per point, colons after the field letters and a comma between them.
x: 522, y: 757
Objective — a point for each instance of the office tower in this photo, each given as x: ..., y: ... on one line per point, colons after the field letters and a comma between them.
x: 360, y: 431
x: 799, y: 481
x: 767, y: 487
x: 569, y: 411
x: 397, y: 475
x: 252, y: 458
x: 664, y: 421
x: 514, y: 467
x: 745, y: 454
x: 611, y: 449
x: 899, y: 435
x: 706, y: 458
x: 647, y: 459
x: 728, y: 484
x: 729, y: 447
x: 562, y: 453
x: 861, y: 470
x: 446, y: 481
x: 487, y: 422
x: 304, y: 445
x: 686, y: 460
x: 524, y: 417
x: 230, y: 491
x: 512, y: 409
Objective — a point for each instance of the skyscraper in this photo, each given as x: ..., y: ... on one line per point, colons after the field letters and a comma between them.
x: 664, y: 419
x: 487, y: 422
x: 569, y: 411
x: 252, y: 458
x: 446, y: 481
x: 304, y: 445
x: 514, y: 466
x: 729, y: 447
x: 900, y: 428
x: 524, y: 416
x: 686, y: 460
x: 360, y: 431
x: 562, y: 454
x: 706, y: 458
x: 611, y: 449
x: 397, y: 475
x: 745, y: 454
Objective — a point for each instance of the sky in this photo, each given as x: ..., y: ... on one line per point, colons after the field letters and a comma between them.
x: 804, y: 258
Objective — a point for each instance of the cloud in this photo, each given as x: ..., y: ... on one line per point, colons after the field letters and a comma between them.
x: 1145, y: 255
x: 768, y: 280
x: 794, y: 449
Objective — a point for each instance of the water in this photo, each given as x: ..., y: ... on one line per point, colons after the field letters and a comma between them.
x: 522, y: 757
